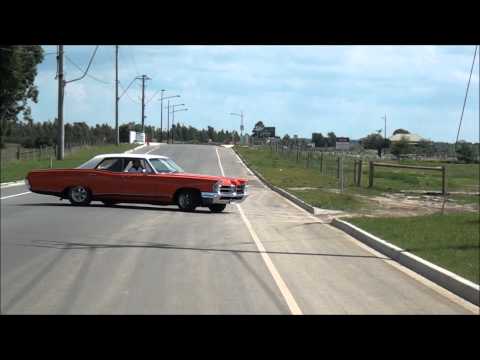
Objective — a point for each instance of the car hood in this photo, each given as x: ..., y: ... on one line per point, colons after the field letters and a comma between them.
x: 225, y: 180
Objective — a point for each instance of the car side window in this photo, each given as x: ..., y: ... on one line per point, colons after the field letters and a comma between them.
x: 112, y: 164
x: 143, y: 164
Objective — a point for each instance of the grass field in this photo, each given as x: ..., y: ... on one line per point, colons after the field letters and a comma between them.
x: 284, y: 171
x: 451, y: 241
x: 17, y: 170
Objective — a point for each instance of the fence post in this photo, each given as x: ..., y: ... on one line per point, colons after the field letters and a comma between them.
x: 355, y: 171
x: 338, y: 167
x: 321, y: 163
x: 370, y: 178
x: 340, y: 162
x: 359, y: 176
x: 18, y: 153
x: 50, y: 161
x: 444, y: 180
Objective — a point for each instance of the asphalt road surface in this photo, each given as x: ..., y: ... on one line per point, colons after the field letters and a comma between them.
x: 266, y: 256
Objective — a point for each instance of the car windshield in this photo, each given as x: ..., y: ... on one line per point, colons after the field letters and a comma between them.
x: 165, y: 166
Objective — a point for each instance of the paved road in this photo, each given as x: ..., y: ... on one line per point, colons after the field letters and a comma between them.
x: 265, y: 256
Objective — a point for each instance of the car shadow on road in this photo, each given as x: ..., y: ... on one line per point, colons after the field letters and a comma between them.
x: 88, y: 246
x: 128, y: 207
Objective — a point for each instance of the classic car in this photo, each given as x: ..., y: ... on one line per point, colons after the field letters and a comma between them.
x: 137, y: 178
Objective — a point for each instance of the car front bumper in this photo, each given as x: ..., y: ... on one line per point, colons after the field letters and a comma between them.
x: 209, y: 198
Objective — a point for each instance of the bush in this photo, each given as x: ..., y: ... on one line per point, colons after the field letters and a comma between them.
x: 465, y: 153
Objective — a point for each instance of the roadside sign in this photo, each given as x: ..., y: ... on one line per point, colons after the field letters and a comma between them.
x: 342, y: 143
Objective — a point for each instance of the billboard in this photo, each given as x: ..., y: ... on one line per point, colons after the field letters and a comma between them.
x: 137, y: 137
x: 342, y: 143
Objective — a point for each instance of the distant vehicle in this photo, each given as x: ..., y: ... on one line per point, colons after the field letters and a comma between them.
x: 155, y: 180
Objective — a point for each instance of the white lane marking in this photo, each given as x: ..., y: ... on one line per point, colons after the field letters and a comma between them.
x: 219, y: 162
x: 423, y: 280
x: 10, y: 196
x: 282, y: 286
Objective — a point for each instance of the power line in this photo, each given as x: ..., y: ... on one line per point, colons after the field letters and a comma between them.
x: 125, y: 92
x: 466, y: 95
x: 90, y: 76
x: 88, y: 67
x: 152, y: 97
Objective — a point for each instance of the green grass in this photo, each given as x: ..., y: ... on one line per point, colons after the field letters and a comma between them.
x: 451, y: 241
x: 284, y: 171
x: 17, y: 170
x: 330, y: 200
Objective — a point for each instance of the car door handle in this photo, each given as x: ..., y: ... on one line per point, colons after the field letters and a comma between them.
x: 92, y: 174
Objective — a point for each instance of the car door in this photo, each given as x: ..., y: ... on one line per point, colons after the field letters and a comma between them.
x: 144, y: 186
x: 106, y: 179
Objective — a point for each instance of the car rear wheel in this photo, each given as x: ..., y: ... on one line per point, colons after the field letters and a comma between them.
x: 79, y: 195
x: 187, y: 200
x: 217, y: 208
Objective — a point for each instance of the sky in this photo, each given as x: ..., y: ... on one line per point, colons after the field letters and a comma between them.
x: 297, y: 89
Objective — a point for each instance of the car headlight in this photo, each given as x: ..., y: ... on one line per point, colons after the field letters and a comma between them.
x: 216, y: 187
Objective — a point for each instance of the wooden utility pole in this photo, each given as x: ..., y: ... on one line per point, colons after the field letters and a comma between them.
x: 117, y: 134
x: 61, y: 87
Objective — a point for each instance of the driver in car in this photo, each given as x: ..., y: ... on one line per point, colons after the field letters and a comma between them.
x: 136, y: 167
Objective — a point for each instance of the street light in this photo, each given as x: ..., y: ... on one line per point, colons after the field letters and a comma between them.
x: 161, y: 110
x: 241, y: 125
x: 173, y: 115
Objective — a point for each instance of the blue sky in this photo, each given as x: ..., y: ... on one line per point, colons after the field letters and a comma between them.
x: 298, y: 89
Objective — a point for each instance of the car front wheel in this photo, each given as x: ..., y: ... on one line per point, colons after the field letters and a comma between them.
x: 187, y: 200
x: 79, y: 195
x: 217, y: 208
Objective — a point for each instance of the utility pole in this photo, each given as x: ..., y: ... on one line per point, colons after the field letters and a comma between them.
x: 173, y: 117
x: 241, y: 123
x: 61, y: 86
x: 385, y: 118
x: 168, y: 122
x: 143, y: 78
x: 117, y: 134
x: 161, y: 115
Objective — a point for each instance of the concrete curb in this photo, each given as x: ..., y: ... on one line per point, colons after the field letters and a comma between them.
x: 448, y: 280
x: 13, y: 183
x: 282, y: 192
x: 138, y: 147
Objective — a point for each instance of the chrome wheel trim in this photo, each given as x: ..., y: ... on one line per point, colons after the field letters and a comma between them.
x: 184, y: 200
x: 79, y: 194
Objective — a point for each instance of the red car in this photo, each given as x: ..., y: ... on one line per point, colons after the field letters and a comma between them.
x: 137, y: 178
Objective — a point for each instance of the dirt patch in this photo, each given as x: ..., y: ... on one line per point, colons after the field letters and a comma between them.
x: 399, y: 204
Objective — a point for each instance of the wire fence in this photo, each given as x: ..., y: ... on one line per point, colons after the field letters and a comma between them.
x: 10, y: 154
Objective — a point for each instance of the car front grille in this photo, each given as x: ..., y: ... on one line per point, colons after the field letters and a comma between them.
x: 230, y: 189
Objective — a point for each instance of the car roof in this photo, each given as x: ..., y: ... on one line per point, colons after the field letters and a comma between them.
x: 136, y: 156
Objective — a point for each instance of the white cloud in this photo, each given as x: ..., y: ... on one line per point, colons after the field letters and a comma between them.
x: 299, y: 89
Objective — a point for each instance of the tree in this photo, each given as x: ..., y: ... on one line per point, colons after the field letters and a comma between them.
x: 286, y: 139
x: 425, y: 147
x: 375, y: 141
x: 18, y: 69
x: 319, y: 140
x: 331, y: 139
x: 465, y: 153
x: 400, y: 147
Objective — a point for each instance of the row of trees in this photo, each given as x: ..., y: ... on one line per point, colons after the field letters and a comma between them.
x: 465, y: 152
x: 35, y: 135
